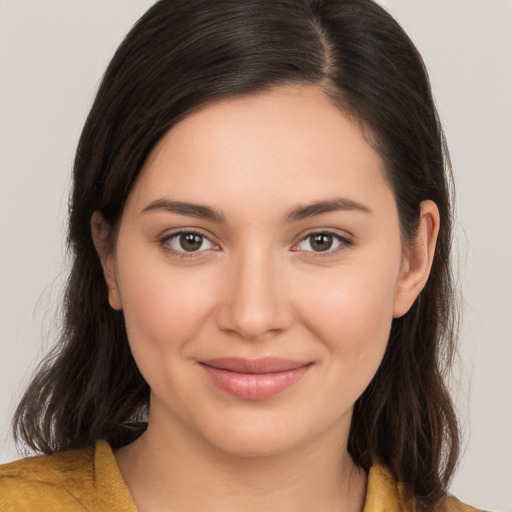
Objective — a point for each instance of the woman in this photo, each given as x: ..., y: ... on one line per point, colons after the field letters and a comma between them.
x: 261, y: 228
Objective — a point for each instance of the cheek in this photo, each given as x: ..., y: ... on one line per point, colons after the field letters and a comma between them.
x: 351, y: 312
x: 164, y: 307
x: 164, y: 314
x: 350, y: 301
x: 353, y: 324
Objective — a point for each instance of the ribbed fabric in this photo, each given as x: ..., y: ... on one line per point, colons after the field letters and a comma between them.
x: 384, y: 494
x: 89, y: 481
x: 82, y: 480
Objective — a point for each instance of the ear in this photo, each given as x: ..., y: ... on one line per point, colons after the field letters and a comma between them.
x: 417, y: 262
x: 100, y: 230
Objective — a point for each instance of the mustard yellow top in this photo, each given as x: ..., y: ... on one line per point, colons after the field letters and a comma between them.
x: 89, y: 480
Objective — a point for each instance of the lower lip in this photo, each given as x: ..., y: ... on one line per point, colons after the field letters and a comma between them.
x: 254, y: 386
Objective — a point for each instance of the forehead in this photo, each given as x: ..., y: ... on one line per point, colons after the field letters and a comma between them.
x: 290, y: 144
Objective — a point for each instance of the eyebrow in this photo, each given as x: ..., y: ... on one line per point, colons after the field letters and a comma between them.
x: 187, y: 209
x: 327, y: 206
x: 296, y: 214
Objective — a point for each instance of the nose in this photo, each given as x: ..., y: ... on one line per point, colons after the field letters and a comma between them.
x: 255, y: 303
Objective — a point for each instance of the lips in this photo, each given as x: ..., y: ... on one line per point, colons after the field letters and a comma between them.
x: 254, y: 379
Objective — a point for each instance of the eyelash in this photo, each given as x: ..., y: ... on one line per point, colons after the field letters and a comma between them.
x: 342, y: 241
x: 164, y: 243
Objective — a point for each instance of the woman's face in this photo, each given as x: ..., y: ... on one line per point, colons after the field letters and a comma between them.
x: 259, y: 265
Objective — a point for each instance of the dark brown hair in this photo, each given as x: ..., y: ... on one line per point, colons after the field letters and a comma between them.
x: 181, y: 56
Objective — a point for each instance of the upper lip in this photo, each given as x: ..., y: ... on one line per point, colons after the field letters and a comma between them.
x: 261, y: 365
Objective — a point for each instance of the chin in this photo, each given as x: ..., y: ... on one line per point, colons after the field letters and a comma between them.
x: 252, y: 431
x: 242, y: 444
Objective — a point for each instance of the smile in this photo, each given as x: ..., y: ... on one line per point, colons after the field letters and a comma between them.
x: 254, y: 379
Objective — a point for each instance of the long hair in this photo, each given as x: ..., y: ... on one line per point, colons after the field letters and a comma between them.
x: 179, y: 57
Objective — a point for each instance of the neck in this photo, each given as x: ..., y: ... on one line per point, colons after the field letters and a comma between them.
x: 166, y: 471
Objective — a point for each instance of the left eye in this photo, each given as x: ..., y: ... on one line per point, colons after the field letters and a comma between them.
x: 320, y: 242
x: 188, y: 241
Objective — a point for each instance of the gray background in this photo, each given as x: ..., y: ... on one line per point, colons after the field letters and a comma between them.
x: 52, y: 55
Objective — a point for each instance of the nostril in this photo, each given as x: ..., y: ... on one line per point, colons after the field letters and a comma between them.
x: 252, y: 321
x: 254, y: 303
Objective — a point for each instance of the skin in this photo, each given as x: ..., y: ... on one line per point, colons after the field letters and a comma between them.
x: 258, y: 287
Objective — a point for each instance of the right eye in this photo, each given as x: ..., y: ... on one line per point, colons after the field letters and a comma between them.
x: 186, y: 243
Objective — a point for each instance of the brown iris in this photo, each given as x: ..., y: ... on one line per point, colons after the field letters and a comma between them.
x: 321, y: 242
x: 190, y: 241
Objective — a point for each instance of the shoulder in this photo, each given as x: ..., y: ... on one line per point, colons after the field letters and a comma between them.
x: 77, y: 480
x: 452, y: 504
x: 385, y: 494
x: 50, y: 482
